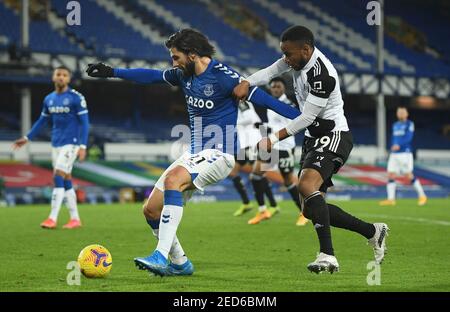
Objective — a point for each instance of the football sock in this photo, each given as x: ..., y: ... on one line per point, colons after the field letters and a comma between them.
x: 57, y: 197
x: 316, y: 210
x: 240, y: 187
x: 391, y: 189
x: 71, y: 200
x: 258, y: 189
x: 268, y: 191
x: 293, y: 191
x: 171, y: 215
x: 418, y: 187
x: 176, y: 252
x: 341, y: 219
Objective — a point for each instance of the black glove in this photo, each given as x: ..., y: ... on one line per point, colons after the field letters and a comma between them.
x: 320, y: 127
x: 100, y: 70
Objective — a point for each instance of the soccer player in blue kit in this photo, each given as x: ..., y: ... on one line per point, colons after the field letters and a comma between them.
x: 67, y: 110
x: 401, y: 161
x: 207, y: 85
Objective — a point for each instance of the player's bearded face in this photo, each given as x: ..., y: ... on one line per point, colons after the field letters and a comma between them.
x: 183, y: 61
x: 189, y: 68
x: 61, y: 78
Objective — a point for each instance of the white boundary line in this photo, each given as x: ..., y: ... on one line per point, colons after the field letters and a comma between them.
x: 403, y: 218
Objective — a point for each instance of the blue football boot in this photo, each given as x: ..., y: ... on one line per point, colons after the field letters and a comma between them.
x: 155, y: 263
x: 186, y: 268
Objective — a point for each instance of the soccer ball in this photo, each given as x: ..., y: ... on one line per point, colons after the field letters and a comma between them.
x: 95, y: 261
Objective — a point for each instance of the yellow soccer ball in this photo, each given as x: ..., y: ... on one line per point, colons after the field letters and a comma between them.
x: 95, y: 261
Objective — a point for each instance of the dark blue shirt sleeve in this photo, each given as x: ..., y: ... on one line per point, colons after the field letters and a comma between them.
x: 406, y: 139
x: 41, y: 122
x: 261, y: 98
x: 84, y: 134
x: 148, y: 76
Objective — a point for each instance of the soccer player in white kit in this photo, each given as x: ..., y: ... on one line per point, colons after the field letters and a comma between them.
x: 248, y: 133
x: 285, y: 147
x: 67, y: 110
x: 316, y: 85
x: 401, y: 161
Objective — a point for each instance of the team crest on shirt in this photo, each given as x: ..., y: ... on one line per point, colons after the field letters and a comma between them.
x: 188, y: 85
x: 208, y: 90
x: 66, y: 101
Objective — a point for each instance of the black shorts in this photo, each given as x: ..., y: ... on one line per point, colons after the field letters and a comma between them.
x: 326, y: 154
x: 246, y: 156
x: 286, y: 161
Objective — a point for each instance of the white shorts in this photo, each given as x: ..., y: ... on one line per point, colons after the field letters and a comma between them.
x: 63, y: 157
x: 400, y: 163
x: 207, y: 167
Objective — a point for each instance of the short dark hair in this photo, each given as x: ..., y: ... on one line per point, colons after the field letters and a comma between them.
x: 191, y: 41
x: 63, y: 67
x: 278, y: 79
x: 298, y: 33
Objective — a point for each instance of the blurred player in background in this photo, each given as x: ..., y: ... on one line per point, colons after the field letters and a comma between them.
x: 284, y: 148
x: 316, y: 85
x: 67, y: 109
x: 207, y: 85
x: 248, y: 133
x: 401, y: 162
x: 248, y: 127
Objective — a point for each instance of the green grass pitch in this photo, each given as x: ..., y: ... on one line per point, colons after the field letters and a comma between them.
x: 228, y: 254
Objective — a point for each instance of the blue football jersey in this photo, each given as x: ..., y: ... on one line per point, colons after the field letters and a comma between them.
x: 402, y: 135
x: 212, y: 110
x: 64, y: 110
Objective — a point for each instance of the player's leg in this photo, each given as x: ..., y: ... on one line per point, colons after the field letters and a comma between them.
x: 71, y: 203
x: 176, y: 180
x: 239, y: 185
x: 392, y: 168
x: 58, y: 191
x: 259, y: 189
x: 179, y: 263
x: 409, y: 166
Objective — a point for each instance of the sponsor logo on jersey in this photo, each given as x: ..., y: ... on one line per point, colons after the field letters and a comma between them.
x: 59, y: 109
x: 199, y: 103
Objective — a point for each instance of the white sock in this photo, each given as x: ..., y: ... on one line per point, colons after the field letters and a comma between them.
x: 170, y: 219
x: 262, y: 208
x: 71, y: 202
x: 57, y: 198
x: 418, y: 187
x: 391, y: 190
x: 176, y: 253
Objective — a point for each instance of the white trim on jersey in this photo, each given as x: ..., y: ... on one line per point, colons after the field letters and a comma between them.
x: 82, y: 112
x: 164, y: 77
x: 335, y: 141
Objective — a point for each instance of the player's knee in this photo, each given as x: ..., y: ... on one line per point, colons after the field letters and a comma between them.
x: 306, y: 188
x: 171, y: 182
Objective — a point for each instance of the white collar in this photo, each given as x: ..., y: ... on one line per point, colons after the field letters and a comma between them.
x: 312, y: 60
x: 283, y: 97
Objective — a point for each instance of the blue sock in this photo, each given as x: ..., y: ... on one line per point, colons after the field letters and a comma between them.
x: 154, y: 224
x: 413, y: 180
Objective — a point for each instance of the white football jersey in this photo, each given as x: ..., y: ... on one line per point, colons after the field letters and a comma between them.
x: 277, y: 122
x: 248, y: 134
x: 317, y: 83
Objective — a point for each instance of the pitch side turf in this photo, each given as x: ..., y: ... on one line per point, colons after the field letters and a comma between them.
x: 228, y: 254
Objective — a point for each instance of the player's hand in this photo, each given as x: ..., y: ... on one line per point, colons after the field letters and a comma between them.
x: 395, y: 148
x: 100, y: 70
x: 240, y: 92
x: 19, y: 143
x: 81, y: 154
x: 265, y: 145
x: 320, y: 126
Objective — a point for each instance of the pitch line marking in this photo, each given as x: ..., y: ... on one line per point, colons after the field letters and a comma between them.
x: 403, y: 218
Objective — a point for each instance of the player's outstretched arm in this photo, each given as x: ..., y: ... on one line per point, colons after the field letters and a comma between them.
x: 140, y: 75
x: 261, y: 98
x: 37, y: 126
x: 260, y: 78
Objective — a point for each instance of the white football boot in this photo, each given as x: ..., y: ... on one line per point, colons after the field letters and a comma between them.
x: 378, y: 241
x: 324, y: 263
